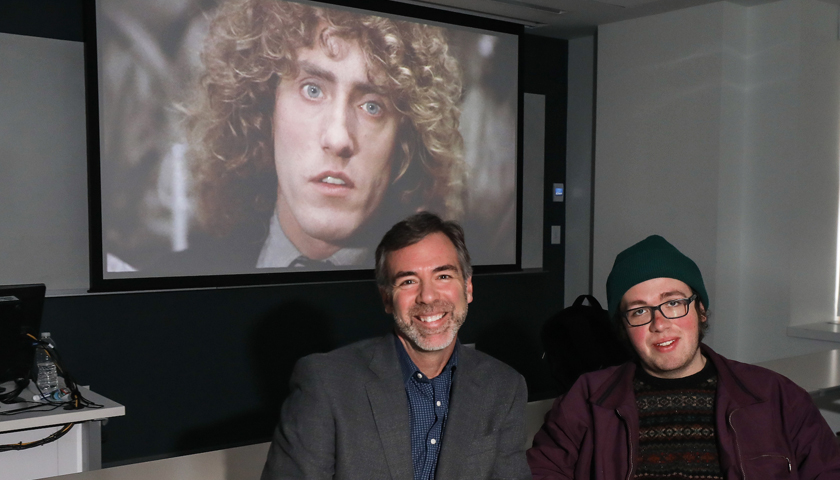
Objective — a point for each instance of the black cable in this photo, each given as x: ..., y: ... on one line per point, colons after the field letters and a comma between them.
x: 10, y: 396
x: 23, y: 446
x: 37, y: 407
x: 76, y: 400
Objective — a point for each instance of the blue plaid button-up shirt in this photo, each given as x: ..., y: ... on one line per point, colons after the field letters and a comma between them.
x: 428, y: 407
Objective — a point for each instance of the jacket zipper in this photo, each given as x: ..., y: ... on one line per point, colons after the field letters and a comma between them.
x: 629, y: 444
x: 738, y: 445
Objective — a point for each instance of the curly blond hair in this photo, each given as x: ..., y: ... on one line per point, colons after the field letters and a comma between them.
x: 252, y: 45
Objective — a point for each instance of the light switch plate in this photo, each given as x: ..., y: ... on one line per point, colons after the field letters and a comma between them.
x: 555, y: 234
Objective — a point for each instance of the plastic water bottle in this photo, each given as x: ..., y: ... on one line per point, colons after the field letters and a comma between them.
x: 47, y: 372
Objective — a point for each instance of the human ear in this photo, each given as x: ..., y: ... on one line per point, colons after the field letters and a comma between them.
x: 386, y: 299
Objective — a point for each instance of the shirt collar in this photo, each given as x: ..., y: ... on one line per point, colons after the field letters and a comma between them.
x: 279, y: 252
x: 409, y: 369
x: 692, y: 381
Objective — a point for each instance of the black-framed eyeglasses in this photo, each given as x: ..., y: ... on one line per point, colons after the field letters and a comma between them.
x: 676, y: 308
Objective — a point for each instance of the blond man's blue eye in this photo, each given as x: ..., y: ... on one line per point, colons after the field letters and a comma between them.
x: 312, y: 91
x: 372, y: 108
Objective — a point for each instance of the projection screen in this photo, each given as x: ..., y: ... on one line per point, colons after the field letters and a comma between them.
x: 263, y: 136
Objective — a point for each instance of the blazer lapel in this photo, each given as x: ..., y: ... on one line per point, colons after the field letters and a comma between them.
x: 390, y: 409
x: 465, y: 408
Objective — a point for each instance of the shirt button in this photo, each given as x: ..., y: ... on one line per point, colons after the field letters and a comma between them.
x: 434, y: 441
x: 419, y: 375
x: 438, y: 403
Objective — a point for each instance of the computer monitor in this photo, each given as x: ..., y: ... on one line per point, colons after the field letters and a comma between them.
x: 20, y: 314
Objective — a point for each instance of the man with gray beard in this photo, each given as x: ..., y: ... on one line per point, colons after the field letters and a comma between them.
x: 415, y: 403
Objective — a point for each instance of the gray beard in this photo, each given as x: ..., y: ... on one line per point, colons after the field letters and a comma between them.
x: 419, y: 341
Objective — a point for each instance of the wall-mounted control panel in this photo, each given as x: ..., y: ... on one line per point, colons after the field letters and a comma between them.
x: 558, y: 192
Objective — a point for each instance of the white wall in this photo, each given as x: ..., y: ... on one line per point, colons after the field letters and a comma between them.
x: 717, y: 127
x: 579, y: 167
x: 657, y: 137
x: 43, y: 164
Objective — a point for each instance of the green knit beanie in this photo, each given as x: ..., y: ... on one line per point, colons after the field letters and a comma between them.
x: 653, y: 257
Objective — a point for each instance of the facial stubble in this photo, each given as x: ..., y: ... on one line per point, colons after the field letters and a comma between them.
x: 410, y: 331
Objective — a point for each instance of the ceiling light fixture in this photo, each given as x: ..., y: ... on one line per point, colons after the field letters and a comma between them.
x: 520, y: 21
x: 532, y: 6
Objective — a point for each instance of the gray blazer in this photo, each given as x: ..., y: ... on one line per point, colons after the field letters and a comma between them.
x: 347, y: 418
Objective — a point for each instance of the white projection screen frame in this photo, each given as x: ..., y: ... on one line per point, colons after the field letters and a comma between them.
x: 231, y: 154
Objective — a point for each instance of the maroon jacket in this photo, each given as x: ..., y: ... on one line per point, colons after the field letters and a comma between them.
x: 767, y: 427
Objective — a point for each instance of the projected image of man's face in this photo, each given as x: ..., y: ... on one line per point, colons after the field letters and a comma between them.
x: 334, y: 134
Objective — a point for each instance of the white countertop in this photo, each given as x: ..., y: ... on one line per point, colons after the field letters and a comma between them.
x: 59, y: 416
x: 815, y: 372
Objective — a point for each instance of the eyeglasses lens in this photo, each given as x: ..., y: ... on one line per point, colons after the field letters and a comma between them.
x: 670, y: 309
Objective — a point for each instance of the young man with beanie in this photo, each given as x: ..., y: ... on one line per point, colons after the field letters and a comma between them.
x: 680, y: 410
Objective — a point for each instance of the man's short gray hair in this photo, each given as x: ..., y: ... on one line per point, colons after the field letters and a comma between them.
x: 412, y: 230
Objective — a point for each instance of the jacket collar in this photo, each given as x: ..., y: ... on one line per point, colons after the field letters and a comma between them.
x: 468, y: 401
x: 389, y: 404
x: 730, y: 385
x: 617, y: 390
x: 409, y: 368
x: 386, y: 394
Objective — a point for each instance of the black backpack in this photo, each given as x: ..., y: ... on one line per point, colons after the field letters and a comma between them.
x: 580, y: 339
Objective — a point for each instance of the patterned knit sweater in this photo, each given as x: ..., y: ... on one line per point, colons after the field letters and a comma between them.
x: 677, y: 426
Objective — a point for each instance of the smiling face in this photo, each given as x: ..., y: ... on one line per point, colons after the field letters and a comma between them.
x: 666, y: 348
x: 334, y: 135
x: 429, y: 294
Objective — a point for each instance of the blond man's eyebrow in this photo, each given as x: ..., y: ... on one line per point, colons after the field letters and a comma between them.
x: 316, y: 71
